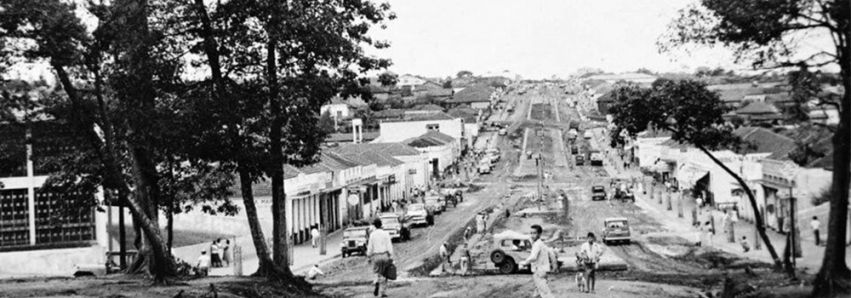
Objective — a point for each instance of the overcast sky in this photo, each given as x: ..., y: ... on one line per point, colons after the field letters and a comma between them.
x: 535, y: 38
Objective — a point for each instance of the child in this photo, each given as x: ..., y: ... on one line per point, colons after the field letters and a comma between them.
x: 580, y: 281
x: 745, y: 245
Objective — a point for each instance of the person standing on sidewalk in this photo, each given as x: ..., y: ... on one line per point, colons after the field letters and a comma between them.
x: 445, y: 256
x: 379, y: 250
x: 314, y: 236
x: 815, y: 225
x: 539, y: 260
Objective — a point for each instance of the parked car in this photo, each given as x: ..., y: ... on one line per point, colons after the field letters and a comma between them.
x: 354, y: 240
x: 393, y: 224
x: 503, y: 131
x: 596, y: 158
x: 580, y: 160
x: 435, y: 203
x: 616, y: 230
x: 588, y: 135
x: 417, y: 215
x: 509, y: 248
x: 574, y: 149
x: 598, y: 192
x: 624, y: 193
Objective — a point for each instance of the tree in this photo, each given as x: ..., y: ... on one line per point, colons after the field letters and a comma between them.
x: 388, y: 79
x: 767, y: 32
x: 464, y: 74
x: 693, y: 115
x: 326, y: 123
x: 447, y: 84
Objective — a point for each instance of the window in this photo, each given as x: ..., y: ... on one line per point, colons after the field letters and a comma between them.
x: 435, y: 127
x: 339, y: 114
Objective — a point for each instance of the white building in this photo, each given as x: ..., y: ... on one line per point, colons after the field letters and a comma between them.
x: 409, y: 81
x: 416, y: 123
x: 441, y: 150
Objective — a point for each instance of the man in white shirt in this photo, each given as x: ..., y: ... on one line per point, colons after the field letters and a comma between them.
x: 379, y: 250
x: 314, y: 272
x: 591, y: 252
x: 539, y: 260
x: 203, y: 264
x: 444, y: 256
x: 815, y: 225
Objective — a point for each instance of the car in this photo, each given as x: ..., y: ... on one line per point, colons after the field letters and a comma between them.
x: 616, y: 230
x: 510, y: 248
x: 417, y: 215
x: 596, y: 158
x: 503, y: 131
x: 393, y: 224
x: 354, y: 240
x: 598, y: 193
x: 493, y: 157
x: 435, y: 203
x: 588, y: 135
x: 624, y: 192
x: 574, y: 150
x: 580, y: 160
x: 528, y: 154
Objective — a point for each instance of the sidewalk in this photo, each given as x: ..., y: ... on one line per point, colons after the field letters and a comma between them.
x: 304, y: 255
x: 811, y: 254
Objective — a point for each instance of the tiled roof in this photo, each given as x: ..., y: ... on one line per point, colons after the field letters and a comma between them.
x: 392, y: 149
x: 766, y: 141
x: 389, y: 113
x: 475, y: 93
x: 468, y: 114
x: 758, y: 107
x: 430, y: 139
x: 425, y: 116
x: 428, y: 107
x: 367, y: 154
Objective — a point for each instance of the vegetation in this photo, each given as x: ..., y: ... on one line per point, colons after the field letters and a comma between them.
x: 766, y: 32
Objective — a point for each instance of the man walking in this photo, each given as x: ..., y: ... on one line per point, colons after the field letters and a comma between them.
x: 815, y: 224
x: 444, y: 256
x: 591, y: 252
x: 379, y: 250
x: 539, y: 260
x: 314, y: 236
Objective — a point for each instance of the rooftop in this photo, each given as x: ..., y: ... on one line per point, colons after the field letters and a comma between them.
x: 410, y: 116
x: 475, y: 93
x: 429, y: 139
x: 758, y: 107
x: 766, y: 141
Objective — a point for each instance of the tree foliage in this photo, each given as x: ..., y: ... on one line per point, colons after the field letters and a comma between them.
x: 775, y: 33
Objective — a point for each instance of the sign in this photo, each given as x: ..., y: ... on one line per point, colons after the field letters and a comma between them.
x: 353, y: 199
x: 412, y: 171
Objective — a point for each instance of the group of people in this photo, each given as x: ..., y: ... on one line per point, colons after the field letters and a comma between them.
x: 543, y: 260
x: 219, y: 257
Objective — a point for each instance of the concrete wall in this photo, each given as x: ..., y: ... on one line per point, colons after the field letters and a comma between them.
x: 49, y: 262
x: 392, y: 132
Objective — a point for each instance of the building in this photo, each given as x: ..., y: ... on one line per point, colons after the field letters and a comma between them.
x: 44, y: 231
x: 638, y: 78
x: 441, y: 150
x: 337, y: 108
x: 416, y: 123
x: 409, y: 81
x: 758, y: 112
x: 476, y: 96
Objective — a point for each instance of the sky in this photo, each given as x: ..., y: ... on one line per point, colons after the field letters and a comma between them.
x: 535, y: 38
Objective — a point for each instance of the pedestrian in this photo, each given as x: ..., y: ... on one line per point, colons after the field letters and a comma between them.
x: 379, y: 250
x: 539, y: 261
x: 466, y: 263
x: 203, y: 264
x: 707, y: 232
x: 468, y: 232
x: 445, y: 256
x: 314, y: 272
x: 314, y: 235
x: 591, y: 251
x: 744, y: 243
x: 226, y: 253
x: 215, y: 254
x: 480, y: 223
x: 815, y: 224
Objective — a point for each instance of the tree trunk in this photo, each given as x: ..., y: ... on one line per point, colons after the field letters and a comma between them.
x: 276, y: 165
x: 834, y: 278
x: 264, y: 257
x: 122, y: 238
x: 170, y: 228
x: 758, y: 220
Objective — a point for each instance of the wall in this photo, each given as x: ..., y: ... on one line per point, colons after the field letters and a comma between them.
x: 334, y: 108
x: 398, y: 131
x: 49, y: 262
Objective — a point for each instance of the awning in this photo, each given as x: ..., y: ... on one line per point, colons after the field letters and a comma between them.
x: 688, y: 175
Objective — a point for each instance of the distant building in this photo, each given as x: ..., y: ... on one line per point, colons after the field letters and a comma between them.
x: 477, y: 97
x: 410, y: 81
x: 337, y: 108
x: 760, y: 112
x: 416, y: 123
x: 440, y: 149
x: 638, y: 78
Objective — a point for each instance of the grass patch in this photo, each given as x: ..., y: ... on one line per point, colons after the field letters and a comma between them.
x: 181, y: 237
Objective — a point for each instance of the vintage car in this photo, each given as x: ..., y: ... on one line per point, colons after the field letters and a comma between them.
x: 395, y: 226
x: 598, y: 193
x: 417, y: 215
x: 435, y: 203
x: 616, y: 230
x: 580, y: 160
x: 509, y: 248
x: 574, y: 149
x: 354, y: 240
x: 484, y: 167
x: 624, y: 193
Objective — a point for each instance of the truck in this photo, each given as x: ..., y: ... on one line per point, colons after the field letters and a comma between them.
x: 595, y: 158
x: 572, y: 134
x: 616, y: 230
